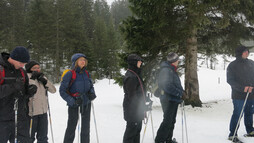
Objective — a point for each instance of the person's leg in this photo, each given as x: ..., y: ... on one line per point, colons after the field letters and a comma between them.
x: 23, y: 131
x: 163, y: 131
x: 131, y: 131
x: 71, y: 125
x: 5, y: 131
x: 238, y: 104
x: 138, y: 130
x: 42, y: 133
x: 173, y: 106
x: 248, y: 116
x: 34, y: 127
x: 85, y: 123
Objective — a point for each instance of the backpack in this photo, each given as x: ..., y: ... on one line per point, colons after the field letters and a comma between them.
x: 157, y: 91
x: 2, y: 74
x: 73, y: 77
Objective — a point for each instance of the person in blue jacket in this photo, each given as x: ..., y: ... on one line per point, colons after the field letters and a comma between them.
x: 172, y: 92
x: 78, y: 93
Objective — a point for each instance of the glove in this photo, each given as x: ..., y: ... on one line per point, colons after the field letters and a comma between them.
x: 32, y: 89
x: 78, y: 101
x: 42, y: 79
x: 35, y: 75
x: 18, y: 88
x: 91, y: 96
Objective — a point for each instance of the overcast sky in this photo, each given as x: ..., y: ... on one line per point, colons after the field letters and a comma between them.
x: 109, y: 1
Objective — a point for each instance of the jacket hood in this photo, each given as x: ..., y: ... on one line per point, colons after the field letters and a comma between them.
x: 166, y: 64
x: 239, y: 51
x: 75, y: 57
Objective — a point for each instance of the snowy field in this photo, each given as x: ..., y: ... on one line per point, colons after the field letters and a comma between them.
x: 209, y: 124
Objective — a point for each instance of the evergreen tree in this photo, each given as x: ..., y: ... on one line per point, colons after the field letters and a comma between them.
x: 180, y: 26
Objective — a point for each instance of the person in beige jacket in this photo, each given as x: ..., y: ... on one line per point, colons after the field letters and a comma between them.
x: 38, y: 104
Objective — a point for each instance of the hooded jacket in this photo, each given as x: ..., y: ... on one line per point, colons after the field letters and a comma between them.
x: 134, y: 99
x: 240, y: 74
x: 38, y: 104
x: 170, y: 83
x: 82, y: 84
x: 7, y: 92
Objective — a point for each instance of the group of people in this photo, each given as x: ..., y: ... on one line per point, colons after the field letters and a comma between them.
x: 24, y: 97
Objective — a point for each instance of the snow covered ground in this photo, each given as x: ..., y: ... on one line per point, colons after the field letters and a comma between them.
x: 209, y: 124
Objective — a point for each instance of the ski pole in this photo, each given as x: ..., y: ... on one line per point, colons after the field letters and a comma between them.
x: 238, y: 123
x: 97, y: 136
x: 184, y: 123
x: 78, y: 124
x: 31, y: 121
x: 50, y: 121
x: 16, y: 119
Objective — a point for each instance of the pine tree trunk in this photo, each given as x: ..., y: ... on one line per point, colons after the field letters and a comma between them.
x: 191, y: 76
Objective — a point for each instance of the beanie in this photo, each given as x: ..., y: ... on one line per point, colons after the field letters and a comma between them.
x: 172, y: 57
x: 239, y: 51
x: 29, y: 65
x: 20, y: 54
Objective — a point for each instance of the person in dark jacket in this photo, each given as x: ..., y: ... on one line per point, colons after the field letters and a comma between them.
x: 14, y: 90
x: 78, y: 95
x: 38, y: 104
x: 134, y: 103
x: 171, y: 96
x: 241, y: 79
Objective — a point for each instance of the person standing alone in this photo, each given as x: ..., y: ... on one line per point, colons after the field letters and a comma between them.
x: 241, y: 79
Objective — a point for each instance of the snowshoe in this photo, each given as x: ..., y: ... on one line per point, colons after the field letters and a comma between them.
x: 235, y: 140
x: 251, y: 134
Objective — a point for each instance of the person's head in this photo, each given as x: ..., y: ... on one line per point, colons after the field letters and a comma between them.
x: 242, y: 52
x: 134, y: 60
x: 79, y: 60
x: 32, y: 66
x: 19, y: 57
x: 173, y: 58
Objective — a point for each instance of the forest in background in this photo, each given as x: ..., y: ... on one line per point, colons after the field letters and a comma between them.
x: 54, y: 30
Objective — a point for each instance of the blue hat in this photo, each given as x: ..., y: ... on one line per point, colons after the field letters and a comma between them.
x: 75, y: 57
x: 20, y: 54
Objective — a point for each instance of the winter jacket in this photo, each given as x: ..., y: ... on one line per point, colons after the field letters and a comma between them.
x: 7, y: 92
x: 239, y: 75
x: 134, y: 100
x: 170, y: 83
x: 38, y: 104
x: 82, y: 85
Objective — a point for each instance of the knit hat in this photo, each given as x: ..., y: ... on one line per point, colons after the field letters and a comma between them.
x: 20, y: 54
x: 29, y: 65
x: 172, y: 57
x: 75, y: 57
x: 239, y: 51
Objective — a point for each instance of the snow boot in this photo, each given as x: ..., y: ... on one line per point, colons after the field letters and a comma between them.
x: 236, y: 140
x: 251, y: 134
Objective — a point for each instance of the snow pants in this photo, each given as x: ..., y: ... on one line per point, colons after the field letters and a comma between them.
x: 165, y: 131
x: 40, y: 127
x: 248, y: 116
x: 132, y: 132
x: 73, y: 116
x: 7, y: 132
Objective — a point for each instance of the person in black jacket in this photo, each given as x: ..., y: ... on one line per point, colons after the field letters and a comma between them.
x: 14, y: 87
x: 171, y: 95
x: 241, y: 79
x: 134, y: 103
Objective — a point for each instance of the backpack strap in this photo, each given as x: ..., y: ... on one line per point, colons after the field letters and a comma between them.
x: 23, y: 74
x: 2, y: 74
x: 87, y: 73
